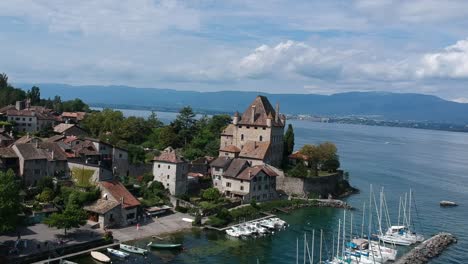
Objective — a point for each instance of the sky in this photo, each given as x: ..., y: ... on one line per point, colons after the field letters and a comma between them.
x: 276, y: 46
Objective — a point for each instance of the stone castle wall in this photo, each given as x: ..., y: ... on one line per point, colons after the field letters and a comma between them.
x: 302, y: 186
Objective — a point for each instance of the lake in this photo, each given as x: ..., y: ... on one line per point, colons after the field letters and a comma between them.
x: 434, y: 164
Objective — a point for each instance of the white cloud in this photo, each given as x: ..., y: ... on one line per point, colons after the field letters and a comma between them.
x: 452, y: 62
x: 124, y: 18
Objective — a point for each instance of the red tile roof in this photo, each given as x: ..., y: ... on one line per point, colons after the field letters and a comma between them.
x: 298, y: 155
x: 250, y: 172
x: 230, y: 148
x: 169, y: 155
x: 255, y: 150
x: 118, y: 191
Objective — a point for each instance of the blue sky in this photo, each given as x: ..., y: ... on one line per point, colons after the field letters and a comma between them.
x: 270, y: 46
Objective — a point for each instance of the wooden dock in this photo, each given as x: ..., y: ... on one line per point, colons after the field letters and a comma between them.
x: 57, y: 260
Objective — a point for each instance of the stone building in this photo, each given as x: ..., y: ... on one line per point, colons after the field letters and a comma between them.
x: 28, y: 118
x: 117, y: 207
x: 238, y: 178
x: 256, y: 135
x: 171, y: 170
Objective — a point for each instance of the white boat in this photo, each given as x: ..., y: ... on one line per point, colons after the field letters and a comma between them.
x: 233, y: 232
x: 390, y: 253
x: 279, y: 223
x: 100, y: 257
x: 117, y: 253
x: 133, y: 249
x: 268, y: 224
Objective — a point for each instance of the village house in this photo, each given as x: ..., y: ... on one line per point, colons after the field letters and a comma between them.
x: 171, y: 170
x: 256, y: 135
x: 6, y: 138
x: 72, y: 117
x: 8, y: 160
x: 238, y: 178
x: 27, y: 118
x: 38, y: 160
x: 117, y: 207
x: 70, y: 130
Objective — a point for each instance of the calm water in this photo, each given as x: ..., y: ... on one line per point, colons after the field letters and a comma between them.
x: 433, y: 163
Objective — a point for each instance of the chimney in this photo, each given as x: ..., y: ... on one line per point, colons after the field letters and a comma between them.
x: 27, y: 135
x: 277, y: 113
x: 53, y: 155
x: 253, y: 114
x: 250, y: 173
x: 37, y: 143
x: 11, y: 133
x: 235, y: 120
x: 121, y: 200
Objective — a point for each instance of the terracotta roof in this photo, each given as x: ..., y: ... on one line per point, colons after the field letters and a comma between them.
x: 298, y: 155
x: 255, y: 150
x: 7, y: 153
x: 236, y: 166
x: 101, y: 206
x: 55, y: 149
x: 169, y: 155
x: 221, y: 162
x: 55, y: 138
x: 85, y: 148
x: 29, y: 152
x: 26, y: 139
x: 195, y: 174
x: 230, y: 148
x: 263, y: 109
x: 250, y: 172
x: 228, y: 131
x: 60, y: 128
x: 78, y: 115
x: 119, y: 192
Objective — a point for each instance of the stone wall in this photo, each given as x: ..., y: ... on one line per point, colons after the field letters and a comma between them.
x: 302, y: 186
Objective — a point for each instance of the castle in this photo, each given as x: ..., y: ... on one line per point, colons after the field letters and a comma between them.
x: 256, y: 135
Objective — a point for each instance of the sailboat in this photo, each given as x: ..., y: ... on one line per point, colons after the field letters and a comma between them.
x: 401, y: 234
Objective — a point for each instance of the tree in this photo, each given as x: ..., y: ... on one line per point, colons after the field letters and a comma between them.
x: 35, y: 95
x: 331, y: 165
x: 46, y: 195
x: 10, y: 205
x: 3, y: 81
x: 313, y: 156
x: 288, y: 141
x: 211, y: 194
x: 72, y: 216
x: 299, y: 171
x: 184, y: 124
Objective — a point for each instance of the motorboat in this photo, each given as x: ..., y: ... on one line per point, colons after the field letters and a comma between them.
x: 164, y: 246
x: 117, y: 253
x: 133, y: 249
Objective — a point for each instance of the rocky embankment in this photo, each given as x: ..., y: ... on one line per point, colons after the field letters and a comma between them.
x: 428, y: 249
x: 332, y: 203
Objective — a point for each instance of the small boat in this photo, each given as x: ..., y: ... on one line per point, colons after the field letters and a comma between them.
x: 133, y: 249
x: 100, y: 257
x: 117, y: 253
x: 164, y: 246
x: 447, y: 203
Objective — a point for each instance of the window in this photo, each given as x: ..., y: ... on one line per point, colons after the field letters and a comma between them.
x: 264, y: 128
x: 228, y: 184
x: 242, y: 137
x: 29, y: 124
x: 259, y: 187
x: 254, y: 188
x: 120, y: 155
x: 266, y: 186
x: 168, y: 166
x: 159, y: 165
x: 248, y: 127
x: 255, y: 127
x: 261, y: 138
x: 30, y: 119
x: 242, y: 188
x: 131, y: 216
x: 17, y: 119
x: 264, y: 196
x: 216, y: 184
x: 168, y: 176
x: 240, y: 126
x: 24, y: 119
x: 242, y: 181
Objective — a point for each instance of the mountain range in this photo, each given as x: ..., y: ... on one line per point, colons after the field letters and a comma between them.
x: 381, y: 105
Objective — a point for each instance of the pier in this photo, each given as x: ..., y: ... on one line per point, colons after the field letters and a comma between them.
x: 428, y: 249
x: 57, y: 260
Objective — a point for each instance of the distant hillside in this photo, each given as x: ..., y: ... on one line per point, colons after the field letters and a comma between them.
x: 389, y: 106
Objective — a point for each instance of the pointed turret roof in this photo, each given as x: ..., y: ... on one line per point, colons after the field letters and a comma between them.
x: 263, y: 109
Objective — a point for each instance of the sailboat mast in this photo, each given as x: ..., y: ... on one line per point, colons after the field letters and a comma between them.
x: 313, y: 246
x: 344, y: 234
x: 321, y: 234
x: 409, y: 210
x: 399, y: 211
x: 338, y: 239
x: 305, y: 242
x: 362, y: 224
x: 351, y: 228
x: 297, y: 250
